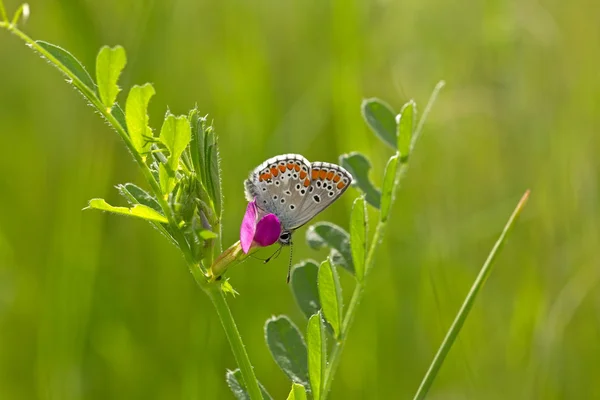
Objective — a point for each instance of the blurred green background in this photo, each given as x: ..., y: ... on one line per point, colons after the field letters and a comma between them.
x: 94, y: 306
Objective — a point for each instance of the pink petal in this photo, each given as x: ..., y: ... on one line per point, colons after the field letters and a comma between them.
x: 268, y: 230
x: 248, y: 227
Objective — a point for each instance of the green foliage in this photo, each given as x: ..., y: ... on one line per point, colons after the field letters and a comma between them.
x: 380, y: 117
x: 326, y: 234
x: 406, y: 126
x: 297, y: 393
x: 175, y: 134
x: 136, y: 116
x: 330, y: 293
x: 359, y: 166
x: 109, y: 64
x: 304, y: 287
x: 358, y: 236
x: 235, y: 381
x: 317, y: 354
x: 389, y: 183
x: 287, y: 348
x: 138, y: 210
x: 80, y: 77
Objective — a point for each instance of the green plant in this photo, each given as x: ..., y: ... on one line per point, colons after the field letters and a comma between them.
x: 181, y: 169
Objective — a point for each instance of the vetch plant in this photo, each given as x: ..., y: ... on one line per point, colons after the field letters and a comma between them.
x: 183, y: 202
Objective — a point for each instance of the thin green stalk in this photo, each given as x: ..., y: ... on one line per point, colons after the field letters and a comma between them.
x: 432, y: 98
x: 460, y: 318
x: 357, y: 295
x: 233, y: 335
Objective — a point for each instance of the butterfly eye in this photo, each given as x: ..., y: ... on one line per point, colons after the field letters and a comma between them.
x: 285, y: 237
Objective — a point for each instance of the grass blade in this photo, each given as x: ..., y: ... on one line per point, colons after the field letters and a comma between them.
x: 460, y: 318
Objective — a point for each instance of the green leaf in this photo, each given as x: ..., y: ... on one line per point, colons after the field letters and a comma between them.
x: 358, y: 165
x: 207, y: 235
x: 213, y: 168
x: 175, y: 134
x: 136, y: 116
x: 317, y: 354
x: 358, y: 237
x: 139, y: 210
x: 326, y: 234
x: 330, y: 293
x: 406, y: 125
x: 287, y: 347
x: 166, y: 177
x: 304, y: 287
x: 389, y: 183
x: 381, y: 119
x: 139, y: 195
x: 136, y: 195
x: 235, y: 381
x: 109, y: 64
x: 197, y: 145
x: 68, y: 61
x: 297, y: 393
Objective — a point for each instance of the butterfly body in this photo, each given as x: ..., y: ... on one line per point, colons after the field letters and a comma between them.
x: 295, y: 190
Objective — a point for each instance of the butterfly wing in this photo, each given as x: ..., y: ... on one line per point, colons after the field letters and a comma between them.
x: 280, y: 186
x: 327, y: 183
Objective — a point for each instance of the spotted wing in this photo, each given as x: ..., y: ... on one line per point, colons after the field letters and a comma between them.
x: 327, y: 183
x: 279, y: 186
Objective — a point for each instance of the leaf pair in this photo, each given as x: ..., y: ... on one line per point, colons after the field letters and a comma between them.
x: 387, y: 124
x: 395, y: 130
x: 303, y: 362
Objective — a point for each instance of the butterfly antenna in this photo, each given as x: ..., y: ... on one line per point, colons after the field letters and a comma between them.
x: 290, y: 263
x: 274, y: 255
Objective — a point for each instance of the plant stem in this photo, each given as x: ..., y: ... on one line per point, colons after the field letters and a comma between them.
x: 235, y: 341
x: 351, y: 311
x: 460, y: 318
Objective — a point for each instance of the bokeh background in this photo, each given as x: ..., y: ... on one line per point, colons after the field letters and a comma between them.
x: 95, y: 306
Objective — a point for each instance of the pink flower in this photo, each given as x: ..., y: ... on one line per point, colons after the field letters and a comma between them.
x: 258, y: 231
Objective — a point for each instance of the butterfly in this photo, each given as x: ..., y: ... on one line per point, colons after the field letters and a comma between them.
x: 295, y: 190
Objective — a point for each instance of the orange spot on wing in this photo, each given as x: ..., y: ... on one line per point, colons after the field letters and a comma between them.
x: 268, y: 176
x: 290, y: 165
x: 341, y: 185
x: 303, y: 174
x: 260, y: 178
x: 306, y: 182
x: 274, y: 171
x: 282, y: 168
x: 337, y: 178
x: 330, y: 175
x: 296, y: 168
x: 322, y: 174
x: 315, y: 174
